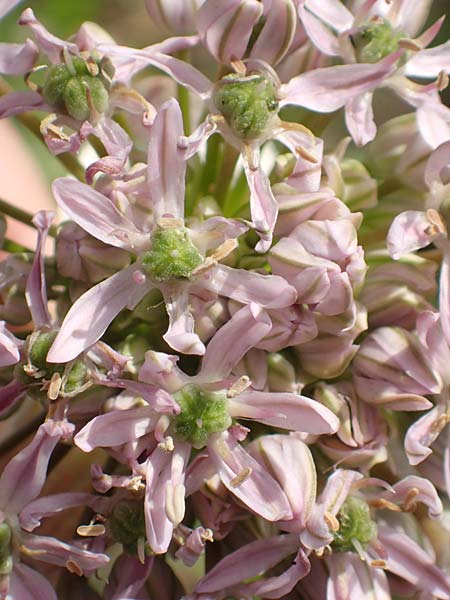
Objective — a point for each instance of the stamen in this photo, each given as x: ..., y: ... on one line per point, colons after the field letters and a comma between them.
x: 224, y: 250
x: 54, y: 387
x: 167, y: 445
x: 73, y: 567
x: 382, y: 503
x: 379, y: 564
x: 442, y: 81
x: 239, y: 386
x: 359, y: 549
x: 140, y: 546
x: 241, y: 477
x: 91, y: 530
x: 409, y: 44
x: 410, y: 505
x: 331, y: 521
x: 239, y: 67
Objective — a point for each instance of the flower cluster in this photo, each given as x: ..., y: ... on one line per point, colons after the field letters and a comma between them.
x: 210, y: 381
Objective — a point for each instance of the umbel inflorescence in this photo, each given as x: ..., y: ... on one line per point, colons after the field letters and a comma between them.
x: 224, y: 358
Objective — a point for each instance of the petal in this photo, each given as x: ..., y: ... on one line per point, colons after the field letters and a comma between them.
x: 423, y: 433
x: 17, y: 59
x: 288, y: 411
x: 9, y: 395
x: 409, y: 561
x: 244, y: 477
x: 332, y: 12
x: 31, y: 516
x: 359, y: 119
x: 89, y: 317
x: 20, y: 102
x: 306, y: 174
x: 277, y: 33
x: 269, y: 291
x: 247, y: 562
x: 95, y: 213
x: 36, y: 293
x: 47, y: 42
x: 128, y: 577
x: 352, y: 579
x: 24, y: 475
x: 229, y: 346
x: 180, y: 335
x: 158, y: 399
x: 56, y: 552
x: 411, y: 230
x: 166, y: 162
x: 330, y: 88
x: 320, y: 35
x: 430, y: 62
x: 117, y: 144
x: 28, y: 584
x: 263, y: 206
x: 9, y: 347
x: 116, y: 428
x: 412, y: 489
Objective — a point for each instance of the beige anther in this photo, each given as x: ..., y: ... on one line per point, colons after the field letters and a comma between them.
x: 239, y: 386
x: 241, y: 477
x: 409, y: 44
x: 382, y: 503
x: 74, y: 568
x: 91, y: 530
x: 55, y: 386
x: 331, y: 521
x: 410, y: 504
x: 379, y: 563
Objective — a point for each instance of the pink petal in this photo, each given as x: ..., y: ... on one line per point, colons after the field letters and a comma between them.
x: 166, y: 162
x: 9, y: 347
x: 247, y: 562
x: 17, y: 59
x: 96, y: 214
x: 229, y: 346
x: 128, y: 577
x: 7, y: 5
x: 31, y: 516
x: 408, y: 560
x: 277, y: 33
x: 180, y: 335
x: 320, y: 35
x: 269, y: 291
x: 9, y: 395
x: 430, y: 62
x: 36, y: 293
x: 117, y: 144
x: 157, y: 398
x: 263, y: 206
x: 332, y: 12
x: 60, y: 553
x: 422, y: 434
x: 288, y: 411
x: 256, y: 488
x: 444, y: 291
x: 89, y: 317
x: 24, y: 475
x: 20, y: 102
x: 47, y: 42
x: 411, y: 230
x: 28, y: 584
x: 351, y: 579
x: 225, y: 28
x: 116, y: 428
x: 359, y: 119
x: 306, y: 174
x: 330, y: 88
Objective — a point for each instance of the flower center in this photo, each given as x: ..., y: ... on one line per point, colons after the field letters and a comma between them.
x: 355, y: 524
x: 77, y: 87
x: 248, y: 103
x: 202, y: 413
x: 6, y: 561
x: 127, y: 524
x: 172, y: 256
x: 375, y: 40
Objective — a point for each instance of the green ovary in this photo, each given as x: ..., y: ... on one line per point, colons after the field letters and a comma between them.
x: 66, y: 89
x: 127, y: 524
x: 6, y: 561
x: 375, y: 41
x: 355, y: 525
x: 172, y: 256
x: 202, y: 413
x: 247, y: 104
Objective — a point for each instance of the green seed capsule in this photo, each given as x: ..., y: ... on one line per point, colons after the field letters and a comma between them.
x: 202, y: 413
x: 6, y: 561
x: 248, y: 104
x: 172, y: 255
x: 127, y: 523
x: 355, y: 523
x: 375, y: 41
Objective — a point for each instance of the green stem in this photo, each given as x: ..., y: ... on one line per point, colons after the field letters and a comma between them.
x: 210, y: 168
x: 21, y: 215
x: 13, y: 247
x: 230, y: 156
x: 33, y: 123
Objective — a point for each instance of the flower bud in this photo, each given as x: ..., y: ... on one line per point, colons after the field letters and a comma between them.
x: 175, y: 16
x: 78, y: 87
x: 84, y: 258
x: 281, y: 375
